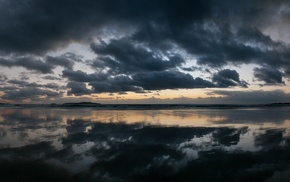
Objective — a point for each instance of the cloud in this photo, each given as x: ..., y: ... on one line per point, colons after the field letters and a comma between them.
x: 29, y: 93
x: 80, y: 76
x: 124, y: 56
x: 28, y: 62
x: 3, y: 78
x: 22, y: 84
x: 116, y: 84
x: 50, y: 77
x: 228, y: 78
x: 66, y: 60
x: 42, y: 65
x: 44, y: 25
x: 77, y: 88
x: 270, y: 76
x: 138, y: 82
x: 248, y: 97
x: 169, y: 80
x: 146, y: 44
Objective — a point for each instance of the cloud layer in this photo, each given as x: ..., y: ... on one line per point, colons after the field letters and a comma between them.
x: 140, y: 46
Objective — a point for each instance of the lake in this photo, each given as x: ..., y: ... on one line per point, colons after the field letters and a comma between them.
x: 197, y: 144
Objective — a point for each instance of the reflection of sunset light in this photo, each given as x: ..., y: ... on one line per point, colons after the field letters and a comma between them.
x: 26, y: 111
x: 159, y: 117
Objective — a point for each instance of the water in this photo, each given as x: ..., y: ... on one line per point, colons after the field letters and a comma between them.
x: 81, y: 144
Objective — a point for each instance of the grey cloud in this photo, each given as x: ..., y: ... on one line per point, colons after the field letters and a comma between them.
x: 251, y: 97
x: 219, y: 45
x: 3, y: 77
x: 192, y: 68
x: 66, y: 60
x: 49, y: 77
x: 151, y: 81
x: 39, y: 26
x: 22, y: 84
x: 80, y: 76
x: 28, y: 62
x: 44, y: 65
x: 218, y: 42
x: 228, y: 78
x: 287, y: 72
x: 52, y: 86
x: 215, y: 33
x: 29, y: 93
x: 169, y: 80
x: 116, y: 84
x: 125, y: 56
x: 268, y: 75
x: 77, y: 88
x: 45, y: 25
x: 17, y: 82
x: 138, y: 82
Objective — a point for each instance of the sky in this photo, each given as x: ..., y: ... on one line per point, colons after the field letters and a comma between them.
x: 145, y: 51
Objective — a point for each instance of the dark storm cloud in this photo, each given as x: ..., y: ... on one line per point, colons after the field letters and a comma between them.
x: 270, y: 76
x: 44, y: 25
x: 21, y: 84
x: 28, y: 93
x: 66, y: 60
x: 116, y: 84
x: 124, y: 56
x: 228, y: 78
x: 18, y: 90
x: 163, y: 35
x: 43, y: 65
x: 77, y: 88
x: 28, y: 62
x: 169, y: 80
x: 138, y: 82
x: 81, y: 76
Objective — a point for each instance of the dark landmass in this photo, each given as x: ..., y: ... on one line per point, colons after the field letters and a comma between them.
x: 78, y: 104
x: 148, y: 106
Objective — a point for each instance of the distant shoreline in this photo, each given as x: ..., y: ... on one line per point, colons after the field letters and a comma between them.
x: 146, y: 106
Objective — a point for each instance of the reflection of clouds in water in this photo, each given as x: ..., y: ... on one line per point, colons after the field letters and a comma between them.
x: 140, y: 151
x: 228, y: 136
x: 282, y: 176
x: 32, y: 170
x: 269, y: 138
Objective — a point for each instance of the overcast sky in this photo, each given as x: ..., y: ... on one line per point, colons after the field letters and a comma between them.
x: 145, y: 51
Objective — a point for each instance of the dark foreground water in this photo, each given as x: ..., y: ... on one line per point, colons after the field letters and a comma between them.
x: 57, y: 144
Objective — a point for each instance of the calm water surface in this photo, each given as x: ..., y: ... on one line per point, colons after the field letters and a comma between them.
x: 45, y: 144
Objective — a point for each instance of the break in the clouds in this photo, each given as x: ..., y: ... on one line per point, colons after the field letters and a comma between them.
x: 143, y: 45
